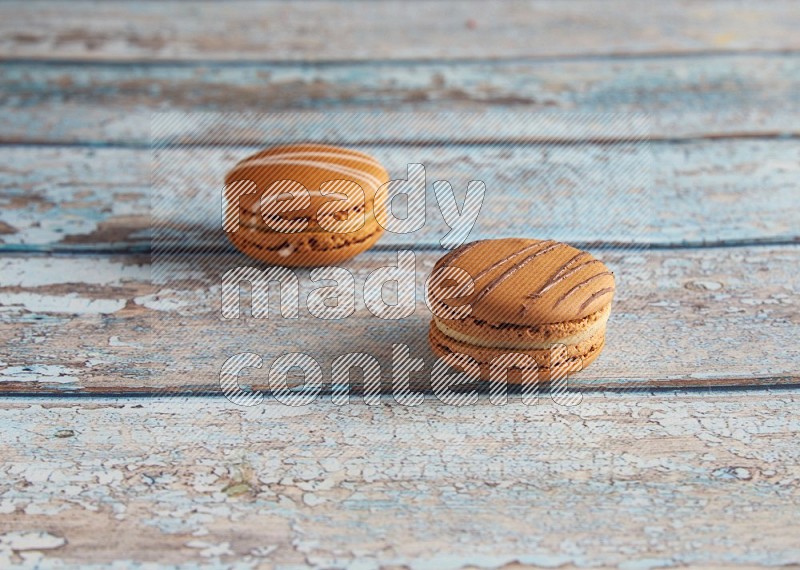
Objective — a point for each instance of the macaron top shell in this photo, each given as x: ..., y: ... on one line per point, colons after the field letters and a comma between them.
x: 528, y: 282
x: 310, y: 165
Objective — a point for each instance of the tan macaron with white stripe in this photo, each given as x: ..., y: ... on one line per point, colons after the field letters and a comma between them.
x: 304, y: 204
x: 526, y: 297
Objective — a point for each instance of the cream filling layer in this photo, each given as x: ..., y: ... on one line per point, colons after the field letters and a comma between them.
x: 570, y: 340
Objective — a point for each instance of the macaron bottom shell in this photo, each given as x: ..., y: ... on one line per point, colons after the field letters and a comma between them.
x: 569, y: 360
x: 305, y: 249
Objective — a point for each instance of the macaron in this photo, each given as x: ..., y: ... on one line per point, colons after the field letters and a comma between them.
x: 304, y: 204
x: 510, y: 303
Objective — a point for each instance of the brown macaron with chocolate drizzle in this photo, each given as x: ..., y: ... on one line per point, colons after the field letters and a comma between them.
x: 508, y: 303
x: 304, y: 204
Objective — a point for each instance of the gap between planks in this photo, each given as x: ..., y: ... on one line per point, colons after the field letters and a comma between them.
x: 144, y: 249
x: 568, y: 58
x: 433, y: 143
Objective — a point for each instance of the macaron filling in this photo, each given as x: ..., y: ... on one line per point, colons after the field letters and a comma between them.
x: 584, y: 353
x: 596, y: 326
x: 254, y: 221
x: 306, y: 241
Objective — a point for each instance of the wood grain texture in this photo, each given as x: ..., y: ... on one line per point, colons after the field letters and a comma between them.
x: 705, y: 192
x: 709, y: 96
x: 656, y: 478
x: 701, y: 317
x: 622, y: 480
x: 362, y: 30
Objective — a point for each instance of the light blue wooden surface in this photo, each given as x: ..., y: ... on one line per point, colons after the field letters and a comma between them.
x: 699, y: 192
x: 686, y: 97
x: 696, y: 466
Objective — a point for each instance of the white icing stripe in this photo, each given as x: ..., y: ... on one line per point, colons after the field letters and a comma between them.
x: 323, y: 154
x: 341, y: 169
x: 318, y: 194
x: 368, y: 178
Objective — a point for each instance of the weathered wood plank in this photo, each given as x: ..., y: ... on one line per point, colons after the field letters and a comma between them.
x: 325, y: 31
x: 704, y: 192
x: 698, y: 317
x: 685, y: 97
x: 52, y: 196
x: 622, y: 480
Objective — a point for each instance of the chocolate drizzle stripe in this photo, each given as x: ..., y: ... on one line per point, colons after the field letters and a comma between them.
x: 559, y: 275
x: 513, y: 269
x: 514, y: 255
x: 575, y: 258
x: 567, y: 274
x: 579, y: 285
x: 597, y: 295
